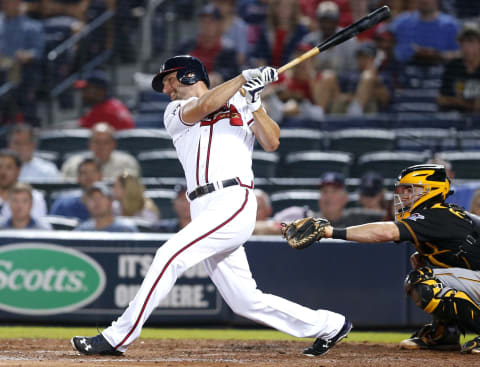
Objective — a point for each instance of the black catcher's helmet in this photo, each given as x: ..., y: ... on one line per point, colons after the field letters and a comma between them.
x: 189, y: 71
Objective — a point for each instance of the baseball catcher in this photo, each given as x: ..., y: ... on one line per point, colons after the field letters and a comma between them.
x: 445, y: 281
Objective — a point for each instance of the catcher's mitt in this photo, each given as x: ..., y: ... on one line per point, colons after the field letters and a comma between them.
x: 304, y: 232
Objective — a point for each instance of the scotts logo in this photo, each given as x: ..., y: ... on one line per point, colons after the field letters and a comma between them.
x: 44, y: 279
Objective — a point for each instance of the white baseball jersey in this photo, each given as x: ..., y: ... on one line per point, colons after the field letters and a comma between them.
x: 221, y: 143
x: 217, y: 148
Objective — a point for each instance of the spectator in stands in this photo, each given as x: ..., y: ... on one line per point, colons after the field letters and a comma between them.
x: 333, y: 201
x: 234, y: 28
x: 99, y: 200
x: 475, y: 204
x: 338, y: 58
x: 130, y: 199
x: 254, y: 13
x: 10, y: 166
x: 425, y: 36
x: 388, y: 66
x: 265, y: 224
x: 356, y: 92
x: 20, y: 200
x: 22, y: 43
x: 372, y: 195
x: 72, y: 204
x: 104, y: 107
x: 461, y: 78
x: 280, y: 37
x: 181, y: 206
x: 216, y: 52
x: 102, y: 146
x: 21, y: 140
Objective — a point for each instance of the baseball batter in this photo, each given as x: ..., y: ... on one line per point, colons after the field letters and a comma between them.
x: 446, y: 276
x: 213, y: 132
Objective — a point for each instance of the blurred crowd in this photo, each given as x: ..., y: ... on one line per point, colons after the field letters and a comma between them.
x: 428, y: 49
x: 431, y: 45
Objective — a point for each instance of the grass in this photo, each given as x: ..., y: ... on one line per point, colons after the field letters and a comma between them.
x: 155, y: 333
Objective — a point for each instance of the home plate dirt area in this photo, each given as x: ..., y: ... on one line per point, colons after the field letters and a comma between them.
x: 225, y: 353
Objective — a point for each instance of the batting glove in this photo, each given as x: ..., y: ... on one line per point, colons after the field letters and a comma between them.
x: 266, y: 73
x: 252, y: 89
x: 269, y: 75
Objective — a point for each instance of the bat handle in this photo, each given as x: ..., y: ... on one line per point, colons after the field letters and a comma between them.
x: 314, y: 51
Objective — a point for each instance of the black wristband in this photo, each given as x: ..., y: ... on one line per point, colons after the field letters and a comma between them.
x: 339, y: 233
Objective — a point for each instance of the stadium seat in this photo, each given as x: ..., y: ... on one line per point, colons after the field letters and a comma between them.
x: 284, y: 199
x: 61, y: 223
x: 135, y: 141
x: 64, y: 141
x: 163, y: 200
x: 340, y: 122
x: 469, y: 140
x: 360, y: 141
x: 53, y: 157
x: 264, y: 164
x: 295, y: 140
x: 162, y: 163
x: 444, y: 120
x: 464, y: 164
x: 142, y: 224
x: 152, y: 120
x: 415, y: 100
x: 419, y: 86
x: 388, y: 164
x: 421, y: 139
x: 153, y: 102
x: 313, y: 164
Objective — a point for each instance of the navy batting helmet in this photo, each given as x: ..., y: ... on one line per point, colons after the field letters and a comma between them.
x: 189, y: 71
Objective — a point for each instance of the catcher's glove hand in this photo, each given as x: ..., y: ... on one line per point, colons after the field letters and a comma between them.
x: 304, y: 232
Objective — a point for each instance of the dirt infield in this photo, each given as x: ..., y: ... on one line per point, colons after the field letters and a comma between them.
x: 215, y: 353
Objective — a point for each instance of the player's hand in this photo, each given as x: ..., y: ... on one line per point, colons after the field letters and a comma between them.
x: 253, y: 89
x: 417, y: 261
x: 266, y: 73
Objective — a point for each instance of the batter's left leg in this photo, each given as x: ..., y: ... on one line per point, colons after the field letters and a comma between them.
x: 231, y: 274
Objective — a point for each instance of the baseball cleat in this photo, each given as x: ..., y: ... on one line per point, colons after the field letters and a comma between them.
x: 472, y: 346
x: 96, y: 345
x: 322, y: 346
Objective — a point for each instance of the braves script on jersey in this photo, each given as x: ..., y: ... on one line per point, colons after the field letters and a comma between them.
x: 217, y: 148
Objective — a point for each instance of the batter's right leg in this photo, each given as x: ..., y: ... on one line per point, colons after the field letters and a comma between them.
x: 231, y: 274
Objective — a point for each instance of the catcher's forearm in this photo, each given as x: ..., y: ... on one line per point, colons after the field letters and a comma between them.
x: 370, y: 232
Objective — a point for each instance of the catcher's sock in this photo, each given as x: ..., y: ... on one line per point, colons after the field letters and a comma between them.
x: 94, y: 345
x: 472, y: 346
x: 322, y: 346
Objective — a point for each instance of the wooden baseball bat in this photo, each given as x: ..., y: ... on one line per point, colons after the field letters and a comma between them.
x: 345, y: 34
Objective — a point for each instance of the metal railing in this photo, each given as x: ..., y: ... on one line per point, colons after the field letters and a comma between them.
x: 55, y: 90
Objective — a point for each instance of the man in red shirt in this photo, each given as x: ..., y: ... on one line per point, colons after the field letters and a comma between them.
x: 104, y: 108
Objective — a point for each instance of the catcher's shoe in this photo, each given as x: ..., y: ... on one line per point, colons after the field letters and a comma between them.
x: 440, y: 337
x: 94, y: 345
x: 472, y: 346
x: 322, y: 346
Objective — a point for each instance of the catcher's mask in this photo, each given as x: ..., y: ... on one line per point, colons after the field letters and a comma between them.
x: 418, y: 184
x: 189, y: 71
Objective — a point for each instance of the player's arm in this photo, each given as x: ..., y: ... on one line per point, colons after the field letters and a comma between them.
x: 266, y: 130
x: 215, y: 98
x: 211, y: 101
x: 370, y: 232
